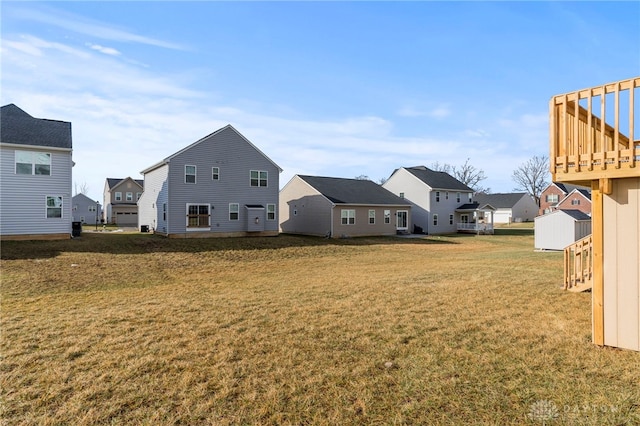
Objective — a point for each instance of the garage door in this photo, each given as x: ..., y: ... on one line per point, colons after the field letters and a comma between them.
x: 127, y: 218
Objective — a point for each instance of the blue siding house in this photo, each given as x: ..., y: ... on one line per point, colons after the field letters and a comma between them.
x: 221, y: 185
x: 35, y: 176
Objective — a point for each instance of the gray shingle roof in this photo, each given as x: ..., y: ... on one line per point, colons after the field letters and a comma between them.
x: 111, y: 182
x: 353, y: 191
x: 576, y: 214
x: 567, y: 188
x: 437, y: 180
x: 18, y: 127
x: 500, y: 201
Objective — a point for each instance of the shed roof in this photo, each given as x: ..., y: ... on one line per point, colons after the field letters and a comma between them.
x: 353, y: 191
x: 18, y: 127
x: 576, y: 214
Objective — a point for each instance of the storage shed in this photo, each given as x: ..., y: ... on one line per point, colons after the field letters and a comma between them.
x: 557, y: 230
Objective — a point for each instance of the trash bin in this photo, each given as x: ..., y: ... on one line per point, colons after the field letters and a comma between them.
x: 76, y: 229
x: 144, y: 228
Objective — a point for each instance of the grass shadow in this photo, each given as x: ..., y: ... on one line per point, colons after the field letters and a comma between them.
x: 141, y: 243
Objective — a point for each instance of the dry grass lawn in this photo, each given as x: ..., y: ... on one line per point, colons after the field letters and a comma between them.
x: 124, y: 329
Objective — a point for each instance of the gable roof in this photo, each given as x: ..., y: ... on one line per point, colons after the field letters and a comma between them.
x: 474, y: 206
x: 112, y: 182
x: 567, y: 187
x: 78, y: 197
x: 500, y: 201
x: 18, y: 127
x: 228, y: 126
x: 437, y: 180
x: 352, y: 191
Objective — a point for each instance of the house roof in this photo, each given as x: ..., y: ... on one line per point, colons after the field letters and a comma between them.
x: 228, y: 126
x: 111, y: 182
x: 474, y: 206
x: 500, y: 201
x: 76, y: 198
x: 437, y: 180
x: 567, y: 187
x: 352, y: 191
x: 18, y: 127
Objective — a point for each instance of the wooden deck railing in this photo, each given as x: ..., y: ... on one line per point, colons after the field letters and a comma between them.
x: 578, y: 265
x: 592, y: 133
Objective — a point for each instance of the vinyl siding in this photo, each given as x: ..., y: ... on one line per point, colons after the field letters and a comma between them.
x: 235, y: 158
x: 362, y: 227
x: 621, y: 212
x: 80, y: 210
x: 313, y: 210
x: 23, y: 197
x: 150, y: 205
x: 557, y: 230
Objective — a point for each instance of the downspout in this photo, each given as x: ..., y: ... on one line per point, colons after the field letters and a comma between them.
x: 333, y: 206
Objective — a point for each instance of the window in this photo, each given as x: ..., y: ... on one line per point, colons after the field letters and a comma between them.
x: 118, y: 196
x: 234, y: 211
x: 552, y: 198
x: 450, y: 219
x: 215, y: 173
x: 164, y: 211
x: 129, y: 196
x: 189, y: 174
x: 387, y: 216
x: 197, y: 215
x: 33, y: 163
x: 446, y: 195
x: 348, y: 217
x: 271, y: 212
x: 372, y: 217
x: 401, y: 195
x: 458, y: 197
x: 138, y: 195
x: 437, y: 196
x: 470, y: 196
x: 575, y: 202
x: 435, y: 220
x: 258, y: 178
x: 92, y: 208
x: 54, y: 207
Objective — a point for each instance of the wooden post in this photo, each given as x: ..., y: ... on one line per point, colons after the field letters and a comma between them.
x: 597, y: 292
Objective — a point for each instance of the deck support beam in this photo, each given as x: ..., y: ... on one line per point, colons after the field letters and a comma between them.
x: 598, y: 188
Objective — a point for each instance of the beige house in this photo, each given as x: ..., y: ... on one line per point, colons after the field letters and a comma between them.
x: 120, y: 201
x: 340, y: 208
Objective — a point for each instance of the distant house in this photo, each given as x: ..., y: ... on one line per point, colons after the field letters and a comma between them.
x: 339, y: 207
x: 577, y: 199
x: 86, y: 210
x: 120, y: 199
x: 220, y: 185
x: 553, y: 194
x: 510, y: 207
x: 560, y: 228
x: 434, y: 197
x: 35, y: 176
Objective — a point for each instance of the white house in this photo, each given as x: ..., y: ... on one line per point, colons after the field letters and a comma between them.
x: 434, y: 197
x: 35, y: 176
x: 560, y: 228
x: 220, y: 185
x: 510, y: 207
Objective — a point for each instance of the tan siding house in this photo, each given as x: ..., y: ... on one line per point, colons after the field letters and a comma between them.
x: 339, y: 208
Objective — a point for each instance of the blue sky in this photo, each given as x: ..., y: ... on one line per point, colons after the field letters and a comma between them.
x: 324, y: 88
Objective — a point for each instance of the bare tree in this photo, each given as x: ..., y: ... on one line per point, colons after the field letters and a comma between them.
x: 467, y: 174
x: 532, y: 176
x: 362, y: 177
x: 82, y: 188
x: 382, y: 180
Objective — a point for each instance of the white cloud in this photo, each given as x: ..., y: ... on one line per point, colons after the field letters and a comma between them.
x: 105, y: 50
x: 438, y: 112
x: 90, y: 27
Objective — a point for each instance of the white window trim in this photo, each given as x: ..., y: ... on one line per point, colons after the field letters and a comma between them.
x: 274, y: 211
x: 266, y: 179
x: 435, y: 219
x: 236, y: 212
x: 117, y: 196
x: 195, y: 174
x: 372, y: 217
x: 33, y: 155
x: 387, y: 217
x: 348, y: 216
x: 215, y: 173
x: 128, y: 196
x: 46, y: 206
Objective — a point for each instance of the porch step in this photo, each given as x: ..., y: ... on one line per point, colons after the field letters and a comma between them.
x: 578, y: 288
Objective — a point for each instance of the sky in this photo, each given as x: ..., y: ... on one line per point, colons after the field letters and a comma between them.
x: 339, y: 89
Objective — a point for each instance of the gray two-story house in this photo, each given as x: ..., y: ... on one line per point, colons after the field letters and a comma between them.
x: 220, y: 185
x: 434, y: 196
x: 85, y: 210
x: 35, y: 176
